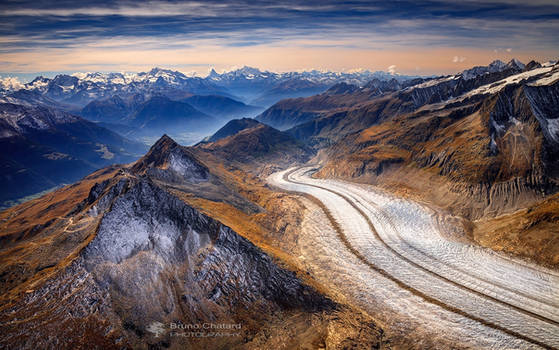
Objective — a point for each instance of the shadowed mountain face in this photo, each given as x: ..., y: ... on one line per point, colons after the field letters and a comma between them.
x: 222, y: 107
x: 113, y: 109
x: 160, y: 113
x: 231, y: 128
x: 257, y: 146
x: 43, y: 148
x: 117, y: 108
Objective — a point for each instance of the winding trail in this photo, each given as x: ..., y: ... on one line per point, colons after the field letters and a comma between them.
x: 399, y: 240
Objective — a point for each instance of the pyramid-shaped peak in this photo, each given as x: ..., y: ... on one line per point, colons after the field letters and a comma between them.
x: 213, y: 73
x: 164, y: 141
x: 515, y: 63
x: 155, y: 70
x: 157, y: 154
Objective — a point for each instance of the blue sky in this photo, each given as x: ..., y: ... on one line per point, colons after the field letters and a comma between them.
x: 417, y: 37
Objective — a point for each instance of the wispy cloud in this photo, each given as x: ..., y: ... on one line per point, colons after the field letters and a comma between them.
x: 109, y: 29
x: 458, y: 59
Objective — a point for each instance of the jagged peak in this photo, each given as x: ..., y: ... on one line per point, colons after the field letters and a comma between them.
x: 155, y: 70
x: 169, y: 162
x: 232, y: 127
x: 341, y: 88
x: 515, y: 63
x: 213, y: 73
x: 497, y: 64
x: 157, y: 154
x: 39, y: 78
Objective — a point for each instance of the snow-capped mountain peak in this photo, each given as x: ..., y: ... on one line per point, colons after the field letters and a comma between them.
x: 493, y: 67
x: 246, y: 70
x: 247, y: 82
x: 213, y: 74
x: 515, y: 63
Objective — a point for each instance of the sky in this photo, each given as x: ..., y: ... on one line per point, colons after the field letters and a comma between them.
x: 406, y: 37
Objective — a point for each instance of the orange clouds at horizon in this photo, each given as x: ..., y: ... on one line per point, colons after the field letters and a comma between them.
x: 412, y: 61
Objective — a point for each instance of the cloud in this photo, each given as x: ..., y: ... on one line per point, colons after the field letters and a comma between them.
x: 11, y: 83
x: 31, y: 28
x: 392, y: 69
x: 458, y: 59
x: 147, y: 9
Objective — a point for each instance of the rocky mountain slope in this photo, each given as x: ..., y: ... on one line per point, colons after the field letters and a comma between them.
x: 126, y: 253
x: 495, y: 142
x: 255, y: 146
x: 290, y: 113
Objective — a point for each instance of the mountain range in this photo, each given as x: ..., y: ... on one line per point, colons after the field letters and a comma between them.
x: 113, y: 98
x: 246, y: 84
x: 140, y: 108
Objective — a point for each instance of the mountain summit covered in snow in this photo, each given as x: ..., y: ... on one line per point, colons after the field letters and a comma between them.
x: 246, y: 84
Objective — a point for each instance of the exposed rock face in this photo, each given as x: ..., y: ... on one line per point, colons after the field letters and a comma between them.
x: 155, y: 259
x: 495, y: 143
x: 71, y: 311
x: 167, y: 154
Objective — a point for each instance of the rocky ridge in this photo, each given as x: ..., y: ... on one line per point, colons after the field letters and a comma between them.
x: 140, y: 256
